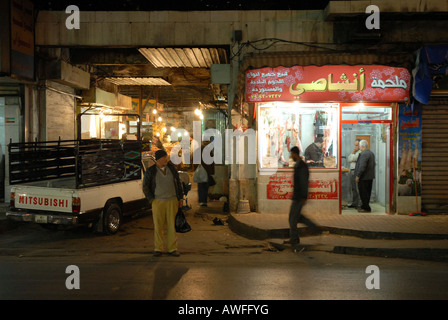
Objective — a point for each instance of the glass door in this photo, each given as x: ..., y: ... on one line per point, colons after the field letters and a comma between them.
x: 371, y: 123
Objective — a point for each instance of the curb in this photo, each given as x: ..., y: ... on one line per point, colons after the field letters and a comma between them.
x: 262, y: 234
x: 254, y: 233
x: 384, y: 235
x: 429, y: 254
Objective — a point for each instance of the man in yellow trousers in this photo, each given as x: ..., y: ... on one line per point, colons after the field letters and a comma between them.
x: 163, y: 189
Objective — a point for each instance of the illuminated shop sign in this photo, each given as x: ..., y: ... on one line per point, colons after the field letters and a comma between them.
x: 280, y: 186
x: 328, y: 83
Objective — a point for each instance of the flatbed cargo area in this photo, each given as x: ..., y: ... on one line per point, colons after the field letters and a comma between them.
x: 84, y: 163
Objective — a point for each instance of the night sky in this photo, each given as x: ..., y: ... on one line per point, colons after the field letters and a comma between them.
x: 176, y: 5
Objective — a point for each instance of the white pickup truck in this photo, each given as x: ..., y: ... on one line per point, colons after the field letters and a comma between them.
x: 76, y: 182
x: 58, y: 202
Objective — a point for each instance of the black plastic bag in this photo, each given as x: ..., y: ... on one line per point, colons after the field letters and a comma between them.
x: 218, y: 222
x: 211, y: 181
x: 181, y: 223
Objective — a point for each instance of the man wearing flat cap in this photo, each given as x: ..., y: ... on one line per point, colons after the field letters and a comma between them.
x: 163, y: 189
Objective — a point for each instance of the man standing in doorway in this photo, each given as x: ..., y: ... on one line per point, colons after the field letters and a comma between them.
x: 163, y: 189
x: 300, y: 195
x: 365, y: 173
x: 352, y: 159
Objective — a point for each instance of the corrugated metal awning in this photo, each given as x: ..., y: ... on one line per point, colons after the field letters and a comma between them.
x: 147, y: 81
x: 184, y: 57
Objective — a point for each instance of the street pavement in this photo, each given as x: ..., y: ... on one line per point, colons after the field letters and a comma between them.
x: 393, y: 236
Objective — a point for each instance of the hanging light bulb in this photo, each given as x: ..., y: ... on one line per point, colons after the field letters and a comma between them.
x: 154, y: 111
x: 159, y: 119
x: 197, y: 112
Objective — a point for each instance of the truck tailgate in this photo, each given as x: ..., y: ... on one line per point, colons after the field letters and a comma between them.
x: 43, y: 199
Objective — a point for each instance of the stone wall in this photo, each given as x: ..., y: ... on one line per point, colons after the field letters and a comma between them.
x: 175, y: 28
x: 59, y: 113
x: 401, y: 21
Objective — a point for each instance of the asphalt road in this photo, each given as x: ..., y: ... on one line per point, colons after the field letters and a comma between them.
x: 215, y: 264
x: 236, y: 277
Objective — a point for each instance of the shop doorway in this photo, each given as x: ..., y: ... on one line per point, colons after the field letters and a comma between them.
x: 372, y: 124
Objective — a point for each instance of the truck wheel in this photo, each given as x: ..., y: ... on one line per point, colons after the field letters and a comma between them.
x: 112, y: 218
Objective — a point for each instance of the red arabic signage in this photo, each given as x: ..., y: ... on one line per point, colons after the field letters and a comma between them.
x: 280, y: 186
x: 328, y: 83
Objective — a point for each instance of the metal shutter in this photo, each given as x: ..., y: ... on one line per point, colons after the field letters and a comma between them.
x: 435, y: 157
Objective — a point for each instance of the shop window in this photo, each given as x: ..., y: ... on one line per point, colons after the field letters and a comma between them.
x: 108, y: 126
x: 312, y: 127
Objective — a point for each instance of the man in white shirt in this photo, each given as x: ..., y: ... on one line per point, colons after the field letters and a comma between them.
x: 352, y: 158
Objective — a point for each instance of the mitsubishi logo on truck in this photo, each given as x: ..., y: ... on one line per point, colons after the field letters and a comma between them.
x: 48, y: 202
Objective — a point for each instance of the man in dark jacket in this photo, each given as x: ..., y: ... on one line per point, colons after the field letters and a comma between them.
x: 300, y: 195
x: 163, y: 189
x: 365, y: 173
x: 314, y: 153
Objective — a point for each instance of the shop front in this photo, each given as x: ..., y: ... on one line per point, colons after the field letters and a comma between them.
x: 323, y: 111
